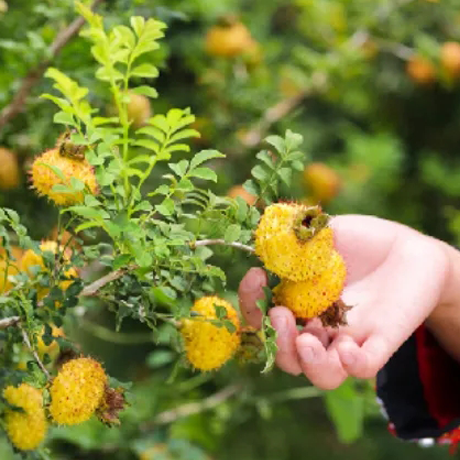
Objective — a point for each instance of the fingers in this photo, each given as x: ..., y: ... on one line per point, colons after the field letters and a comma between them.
x: 283, y: 321
x: 363, y: 362
x: 249, y: 292
x: 320, y: 365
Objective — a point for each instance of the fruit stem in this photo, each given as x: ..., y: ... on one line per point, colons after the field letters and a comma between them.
x: 209, y: 242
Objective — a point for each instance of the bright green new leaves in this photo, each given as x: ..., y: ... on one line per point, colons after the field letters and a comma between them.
x: 274, y: 169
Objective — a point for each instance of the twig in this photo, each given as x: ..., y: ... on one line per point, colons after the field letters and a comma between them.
x: 273, y: 114
x: 188, y: 409
x: 7, y: 322
x: 219, y: 241
x: 93, y: 288
x: 34, y: 75
x: 31, y: 348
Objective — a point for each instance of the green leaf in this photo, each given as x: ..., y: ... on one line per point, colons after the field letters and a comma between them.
x: 179, y: 168
x: 203, y: 173
x: 138, y: 24
x: 293, y: 140
x: 232, y: 233
x: 269, y: 344
x: 166, y: 208
x: 204, y: 155
x: 145, y: 71
x: 346, y: 409
x: 145, y: 91
x: 277, y: 142
x: 259, y: 173
x: 63, y: 118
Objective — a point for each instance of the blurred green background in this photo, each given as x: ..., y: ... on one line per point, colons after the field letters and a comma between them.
x: 374, y: 88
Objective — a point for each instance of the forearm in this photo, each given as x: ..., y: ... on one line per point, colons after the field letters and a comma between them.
x: 444, y: 321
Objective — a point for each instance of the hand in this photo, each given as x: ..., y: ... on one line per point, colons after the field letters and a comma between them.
x: 395, y: 279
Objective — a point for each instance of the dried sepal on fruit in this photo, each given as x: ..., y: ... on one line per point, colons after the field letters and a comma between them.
x: 27, y: 426
x: 44, y: 178
x: 313, y: 297
x: 207, y: 345
x: 77, y: 391
x: 112, y: 403
x: 294, y: 240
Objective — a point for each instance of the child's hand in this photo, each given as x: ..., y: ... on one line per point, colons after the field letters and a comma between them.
x: 396, y: 277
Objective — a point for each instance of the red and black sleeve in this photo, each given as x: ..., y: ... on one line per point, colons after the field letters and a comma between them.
x: 419, y: 389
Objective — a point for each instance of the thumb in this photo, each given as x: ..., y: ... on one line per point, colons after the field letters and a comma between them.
x: 249, y: 292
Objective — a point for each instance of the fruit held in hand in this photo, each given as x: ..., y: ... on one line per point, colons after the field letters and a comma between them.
x: 27, y: 428
x: 208, y: 346
x: 44, y: 178
x: 77, y: 391
x: 310, y: 298
x: 321, y: 181
x: 294, y: 241
x: 9, y: 170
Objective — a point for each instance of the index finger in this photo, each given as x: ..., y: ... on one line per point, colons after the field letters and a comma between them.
x: 250, y: 291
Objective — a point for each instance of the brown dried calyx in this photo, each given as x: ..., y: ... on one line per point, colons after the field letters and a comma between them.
x: 310, y: 222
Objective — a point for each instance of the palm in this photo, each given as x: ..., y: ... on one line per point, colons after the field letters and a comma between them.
x: 395, y: 275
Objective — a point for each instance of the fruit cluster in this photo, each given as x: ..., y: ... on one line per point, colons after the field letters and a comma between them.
x: 78, y: 391
x: 296, y: 243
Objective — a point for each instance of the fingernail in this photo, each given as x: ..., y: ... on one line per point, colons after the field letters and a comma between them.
x: 279, y: 322
x: 347, y: 358
x: 307, y: 354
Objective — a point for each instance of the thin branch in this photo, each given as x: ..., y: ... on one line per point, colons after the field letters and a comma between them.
x: 34, y: 75
x: 188, y: 409
x: 221, y: 242
x: 31, y: 348
x: 93, y: 288
x: 7, y: 322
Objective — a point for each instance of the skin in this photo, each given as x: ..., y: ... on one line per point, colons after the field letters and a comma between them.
x: 397, y: 279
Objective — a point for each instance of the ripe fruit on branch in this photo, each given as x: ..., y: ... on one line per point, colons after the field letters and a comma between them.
x: 322, y: 181
x: 294, y: 241
x: 139, y: 110
x: 44, y: 178
x: 311, y: 298
x: 207, y: 345
x: 9, y: 169
x: 27, y: 428
x: 420, y: 70
x: 228, y: 40
x: 9, y: 267
x: 77, y: 391
x: 450, y: 58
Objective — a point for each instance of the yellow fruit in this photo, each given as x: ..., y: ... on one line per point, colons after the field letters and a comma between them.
x: 77, y: 391
x: 322, y: 181
x: 294, y: 241
x: 53, y: 348
x: 310, y: 298
x: 207, y: 345
x: 9, y: 267
x: 139, y: 110
x: 420, y: 70
x: 239, y: 190
x: 9, y: 170
x: 27, y: 428
x: 31, y: 259
x: 44, y: 178
x: 228, y: 40
x: 450, y: 58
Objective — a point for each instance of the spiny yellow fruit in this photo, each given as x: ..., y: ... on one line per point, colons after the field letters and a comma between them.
x: 44, y: 178
x: 228, y: 40
x: 209, y: 346
x: 139, y: 109
x: 27, y: 428
x: 77, y: 391
x: 294, y: 241
x: 9, y: 169
x: 309, y: 298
